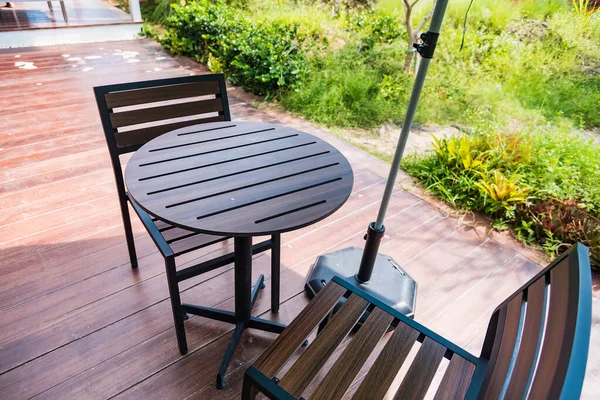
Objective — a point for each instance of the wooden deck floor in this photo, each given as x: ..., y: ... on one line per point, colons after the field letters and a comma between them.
x: 76, y: 322
x: 37, y: 15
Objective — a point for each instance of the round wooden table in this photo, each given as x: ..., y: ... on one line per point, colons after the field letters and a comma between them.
x: 239, y: 179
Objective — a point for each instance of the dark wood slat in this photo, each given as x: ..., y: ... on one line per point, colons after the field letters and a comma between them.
x: 333, y: 193
x: 177, y: 233
x: 497, y: 372
x: 388, y: 363
x: 456, y: 379
x: 152, y: 114
x: 421, y: 372
x: 530, y: 341
x: 213, y: 146
x: 345, y: 369
x: 221, y: 176
x: 311, y: 361
x: 143, y: 135
x: 556, y: 349
x: 161, y: 93
x: 228, y: 177
x: 239, y: 178
x: 250, y: 190
x: 271, y: 361
x: 161, y: 225
x: 188, y: 244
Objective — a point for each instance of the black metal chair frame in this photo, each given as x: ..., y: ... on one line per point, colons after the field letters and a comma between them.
x: 174, y: 277
x: 568, y: 388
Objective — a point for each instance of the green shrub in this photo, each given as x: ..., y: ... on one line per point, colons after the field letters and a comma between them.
x: 542, y: 184
x: 352, y: 88
x: 263, y: 58
x: 527, y: 61
x: 379, y: 27
x: 156, y: 11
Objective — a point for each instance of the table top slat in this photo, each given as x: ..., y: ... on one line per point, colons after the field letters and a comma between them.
x: 215, y: 165
x: 231, y: 179
x: 187, y: 151
x: 239, y: 178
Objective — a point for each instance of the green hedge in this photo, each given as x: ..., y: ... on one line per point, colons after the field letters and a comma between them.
x: 263, y: 58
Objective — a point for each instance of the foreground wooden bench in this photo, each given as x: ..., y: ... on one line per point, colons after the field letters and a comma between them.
x: 536, y: 346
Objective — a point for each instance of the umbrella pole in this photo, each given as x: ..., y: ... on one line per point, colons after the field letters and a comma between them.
x: 376, y: 229
x: 379, y: 275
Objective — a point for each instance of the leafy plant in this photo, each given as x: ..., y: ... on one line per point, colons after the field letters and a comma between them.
x: 503, y: 192
x: 544, y: 186
x: 556, y: 224
x: 264, y: 58
x: 156, y: 11
x: 458, y: 151
x: 584, y: 9
x: 383, y: 28
x: 531, y: 64
x: 348, y: 88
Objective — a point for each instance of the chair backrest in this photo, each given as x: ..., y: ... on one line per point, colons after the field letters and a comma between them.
x: 537, y: 340
x: 536, y: 346
x: 137, y: 112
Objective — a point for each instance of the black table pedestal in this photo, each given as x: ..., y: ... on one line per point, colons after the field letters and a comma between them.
x: 245, y: 297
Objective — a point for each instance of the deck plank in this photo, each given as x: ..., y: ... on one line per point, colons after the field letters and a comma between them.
x: 74, y: 314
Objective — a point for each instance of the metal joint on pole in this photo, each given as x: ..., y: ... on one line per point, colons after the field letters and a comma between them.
x: 427, y: 48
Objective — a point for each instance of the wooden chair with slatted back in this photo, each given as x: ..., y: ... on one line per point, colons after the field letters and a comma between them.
x: 536, y: 347
x: 133, y: 114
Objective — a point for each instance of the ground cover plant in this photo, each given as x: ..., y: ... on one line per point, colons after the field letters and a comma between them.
x: 542, y: 184
x: 528, y: 68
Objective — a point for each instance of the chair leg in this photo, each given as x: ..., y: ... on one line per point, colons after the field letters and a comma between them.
x: 64, y: 11
x: 275, y: 271
x: 128, y: 233
x: 178, y: 314
x: 50, y: 6
x: 249, y: 391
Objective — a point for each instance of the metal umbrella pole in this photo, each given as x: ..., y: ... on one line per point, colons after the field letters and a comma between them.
x: 379, y: 274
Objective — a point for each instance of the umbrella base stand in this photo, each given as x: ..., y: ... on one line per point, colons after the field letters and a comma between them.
x: 389, y: 282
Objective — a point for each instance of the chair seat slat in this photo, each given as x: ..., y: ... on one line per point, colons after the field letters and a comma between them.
x: 195, y: 242
x: 456, y: 380
x: 175, y: 233
x: 311, y: 361
x: 386, y: 366
x: 421, y: 372
x: 162, y: 225
x: 271, y: 361
x: 346, y: 367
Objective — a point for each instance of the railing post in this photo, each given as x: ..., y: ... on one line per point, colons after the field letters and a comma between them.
x: 134, y: 9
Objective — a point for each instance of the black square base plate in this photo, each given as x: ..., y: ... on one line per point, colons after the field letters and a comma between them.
x: 389, y: 282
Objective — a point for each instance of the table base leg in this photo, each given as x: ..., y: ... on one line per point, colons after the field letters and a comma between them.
x: 240, y: 327
x: 235, y: 340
